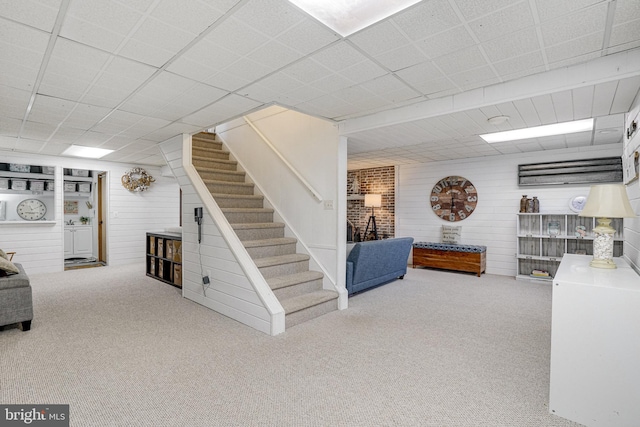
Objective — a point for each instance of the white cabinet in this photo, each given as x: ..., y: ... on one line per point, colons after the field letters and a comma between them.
x: 78, y: 241
x: 595, y: 350
x: 544, y: 238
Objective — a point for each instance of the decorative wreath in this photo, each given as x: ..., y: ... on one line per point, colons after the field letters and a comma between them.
x: 137, y: 179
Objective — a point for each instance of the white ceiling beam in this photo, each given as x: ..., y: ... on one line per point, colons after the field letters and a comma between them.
x: 609, y: 68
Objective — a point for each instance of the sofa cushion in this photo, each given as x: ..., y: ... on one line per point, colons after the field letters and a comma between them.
x: 3, y: 254
x: 18, y: 280
x: 7, y: 268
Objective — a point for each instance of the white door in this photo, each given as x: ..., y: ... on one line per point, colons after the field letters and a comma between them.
x: 68, y: 242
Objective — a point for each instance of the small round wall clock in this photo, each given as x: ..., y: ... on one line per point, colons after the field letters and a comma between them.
x: 454, y: 198
x: 31, y: 209
x: 577, y: 203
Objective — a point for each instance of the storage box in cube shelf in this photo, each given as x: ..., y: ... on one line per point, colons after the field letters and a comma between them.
x: 4, y: 183
x: 49, y: 170
x: 18, y: 184
x: 35, y: 185
x: 84, y: 187
x: 15, y: 167
x: 79, y: 172
x: 70, y: 186
x: 49, y: 185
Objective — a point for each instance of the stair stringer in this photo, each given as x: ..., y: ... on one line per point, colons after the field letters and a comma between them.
x: 248, y: 266
x: 329, y: 281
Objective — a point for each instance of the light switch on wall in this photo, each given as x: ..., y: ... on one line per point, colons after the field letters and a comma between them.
x: 328, y: 205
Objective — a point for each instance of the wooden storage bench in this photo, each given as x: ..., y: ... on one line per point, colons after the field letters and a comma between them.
x: 469, y: 258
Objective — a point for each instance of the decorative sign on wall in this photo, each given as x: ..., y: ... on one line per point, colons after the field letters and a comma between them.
x: 71, y: 207
x: 137, y: 179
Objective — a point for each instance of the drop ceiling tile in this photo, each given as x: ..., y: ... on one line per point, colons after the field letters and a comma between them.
x: 419, y: 74
x: 236, y: 37
x: 38, y: 131
x: 514, y: 45
x: 270, y: 17
x: 519, y: 64
x: 338, y: 56
x: 332, y: 83
x: 105, y: 95
x: 426, y: 19
x: 53, y: 148
x: 50, y: 110
x: 17, y: 76
x: 260, y: 93
x: 146, y: 53
x: 471, y: 9
x: 248, y: 70
x: 563, y: 104
x: 589, y: 44
x: 10, y: 126
x: 193, y: 16
x: 85, y: 116
x: 62, y: 87
x: 274, y: 55
x: 93, y: 139
x: 304, y: 94
x: 403, y: 57
x: 75, y: 59
x: 307, y: 37
x: 503, y: 22
x: 210, y: 55
x: 461, y: 60
x: 528, y: 112
x: 14, y: 100
x: 12, y: 33
x: 227, y: 108
x: 582, y: 102
x: 446, y: 42
x: 105, y: 14
x: 84, y: 32
x: 116, y: 143
x: 362, y: 72
x: 191, y: 69
x: 625, y: 33
x: 38, y: 14
x: 379, y: 38
x: 66, y: 135
x: 278, y: 83
x: 154, y: 32
x: 577, y: 25
x: 306, y: 71
x: 581, y: 139
x: 227, y: 81
x: 551, y: 9
x: 30, y: 145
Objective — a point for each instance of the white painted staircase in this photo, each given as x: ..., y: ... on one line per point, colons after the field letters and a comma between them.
x: 298, y: 289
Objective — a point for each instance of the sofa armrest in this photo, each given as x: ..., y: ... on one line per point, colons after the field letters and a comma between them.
x: 349, y: 281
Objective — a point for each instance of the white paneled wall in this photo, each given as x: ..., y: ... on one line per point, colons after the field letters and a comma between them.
x: 632, y: 225
x: 39, y: 247
x: 493, y: 223
x: 230, y: 292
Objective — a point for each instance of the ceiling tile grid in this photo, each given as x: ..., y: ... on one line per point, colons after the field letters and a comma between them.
x: 140, y: 70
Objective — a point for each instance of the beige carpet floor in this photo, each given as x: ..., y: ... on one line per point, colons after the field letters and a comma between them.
x: 435, y: 349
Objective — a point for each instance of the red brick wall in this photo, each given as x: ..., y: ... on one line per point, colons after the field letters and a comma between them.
x: 373, y: 181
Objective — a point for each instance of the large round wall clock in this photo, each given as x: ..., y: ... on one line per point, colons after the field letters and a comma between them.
x: 31, y: 209
x: 454, y: 198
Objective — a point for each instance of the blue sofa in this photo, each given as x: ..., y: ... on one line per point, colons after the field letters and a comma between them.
x: 377, y: 262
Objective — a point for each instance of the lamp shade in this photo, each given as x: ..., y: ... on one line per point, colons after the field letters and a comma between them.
x: 608, y: 201
x: 373, y: 200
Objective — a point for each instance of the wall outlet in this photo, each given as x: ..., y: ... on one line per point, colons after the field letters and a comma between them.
x: 328, y: 205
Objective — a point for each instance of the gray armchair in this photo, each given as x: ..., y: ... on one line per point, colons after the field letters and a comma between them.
x: 16, y: 305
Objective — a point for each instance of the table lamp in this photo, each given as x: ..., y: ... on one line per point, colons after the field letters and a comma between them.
x: 372, y: 201
x: 606, y: 201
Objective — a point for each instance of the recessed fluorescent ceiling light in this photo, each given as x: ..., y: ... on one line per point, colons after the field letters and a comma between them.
x: 539, y: 131
x: 348, y: 16
x: 89, y: 152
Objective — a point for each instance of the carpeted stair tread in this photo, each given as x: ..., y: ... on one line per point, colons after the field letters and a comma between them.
x: 269, y: 242
x: 214, y: 169
x: 280, y: 260
x: 292, y: 305
x: 209, y: 159
x: 231, y: 183
x: 237, y: 196
x: 254, y: 225
x: 246, y: 210
x: 293, y: 279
